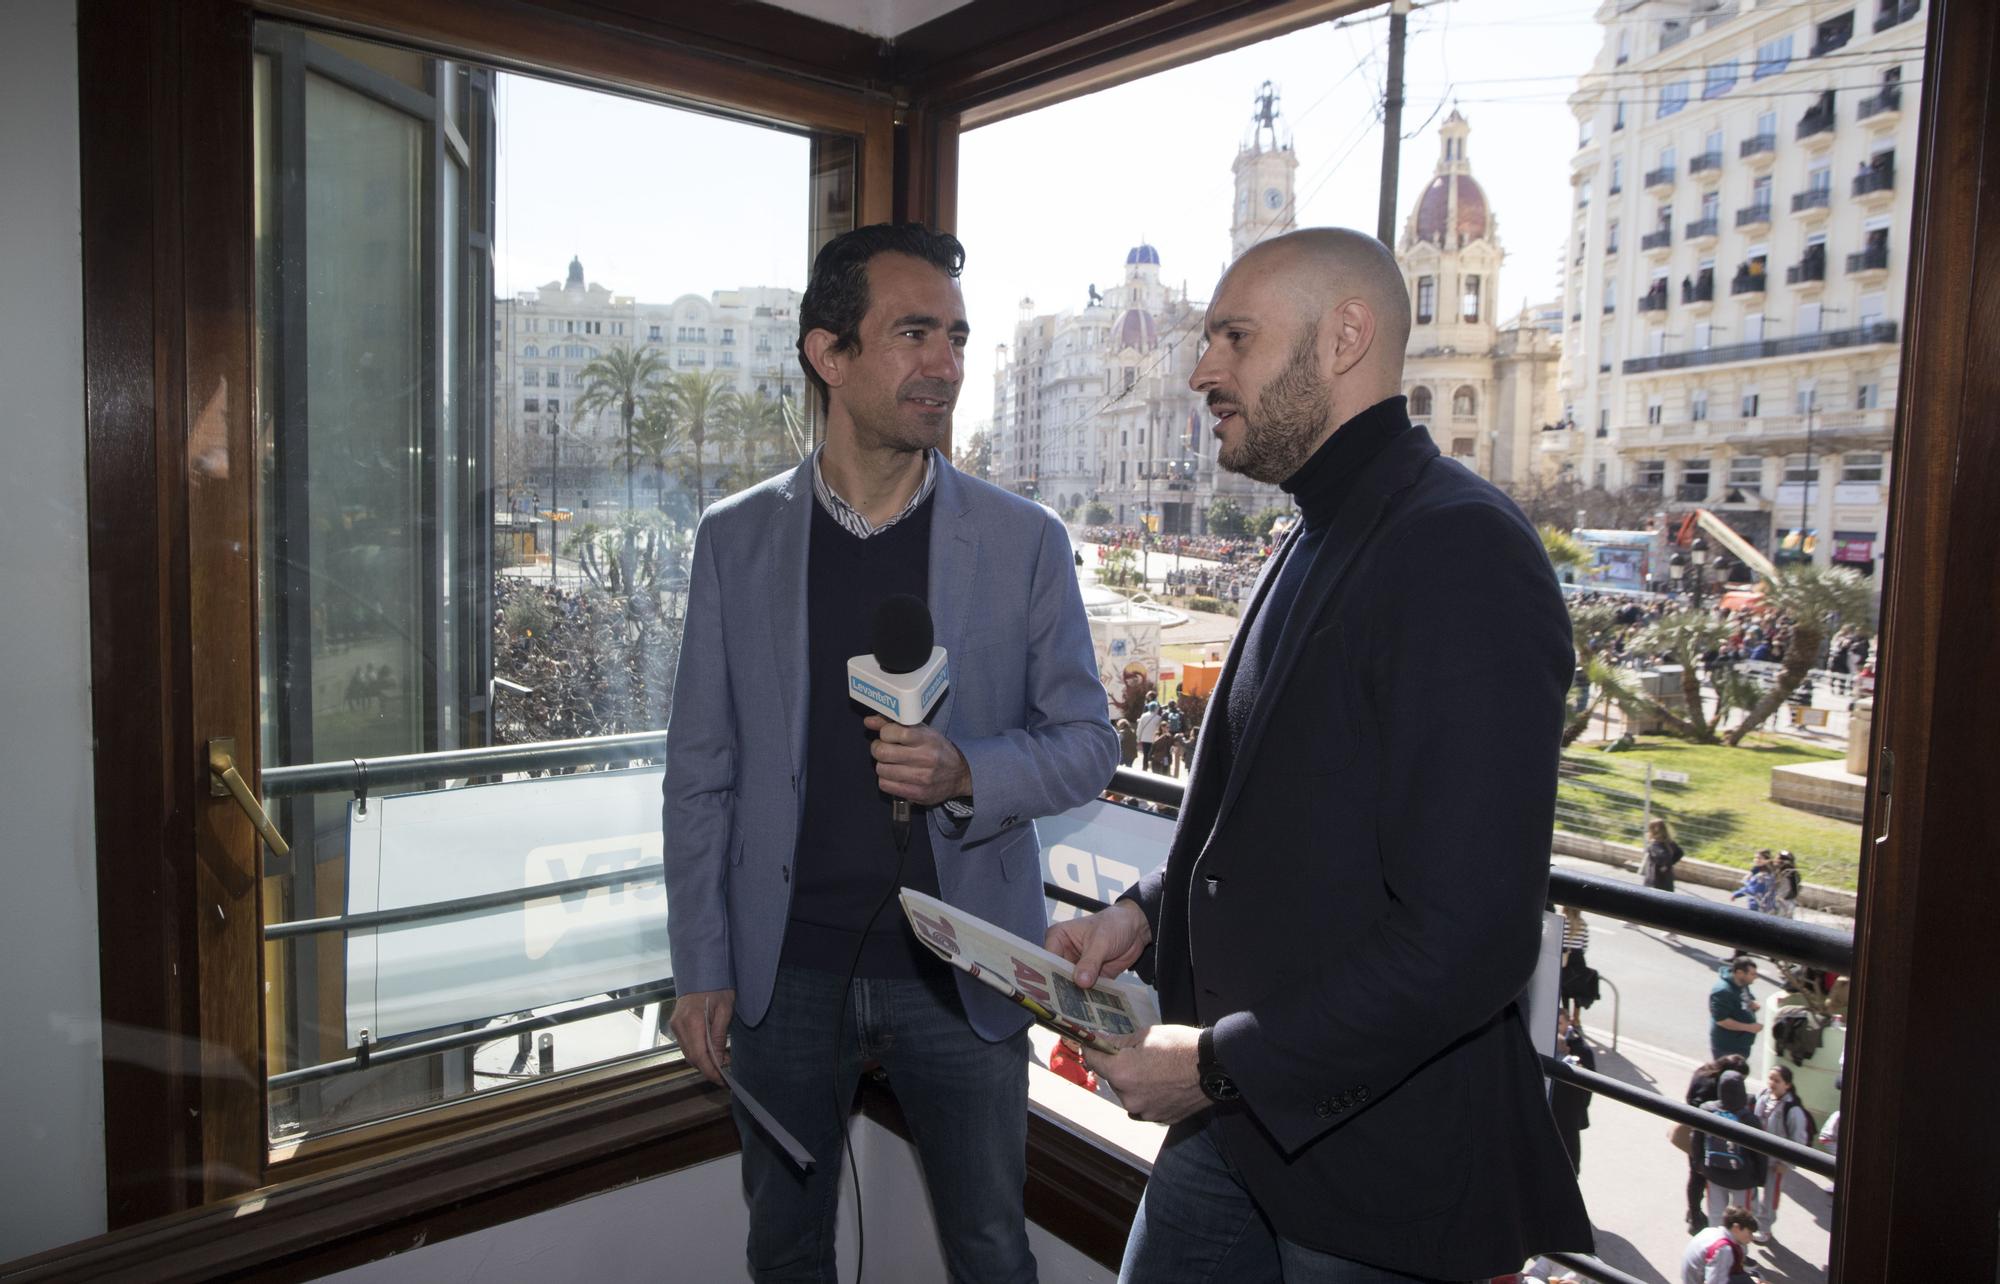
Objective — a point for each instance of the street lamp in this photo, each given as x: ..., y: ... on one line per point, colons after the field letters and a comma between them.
x: 1698, y: 555
x: 1677, y: 567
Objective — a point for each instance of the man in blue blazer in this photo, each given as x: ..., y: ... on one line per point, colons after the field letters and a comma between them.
x: 1352, y: 900
x: 792, y: 961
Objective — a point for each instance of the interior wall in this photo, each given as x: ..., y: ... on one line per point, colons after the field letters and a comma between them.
x: 691, y: 1225
x: 53, y: 1123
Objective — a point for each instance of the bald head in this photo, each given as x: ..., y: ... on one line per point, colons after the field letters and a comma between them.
x: 1316, y: 269
x: 1305, y: 331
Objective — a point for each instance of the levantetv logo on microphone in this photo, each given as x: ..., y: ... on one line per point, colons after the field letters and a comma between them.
x: 869, y: 693
x: 902, y: 697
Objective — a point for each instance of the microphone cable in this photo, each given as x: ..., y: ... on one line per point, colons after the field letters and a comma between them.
x: 900, y: 835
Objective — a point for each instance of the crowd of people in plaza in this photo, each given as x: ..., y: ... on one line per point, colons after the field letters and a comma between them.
x: 1161, y: 739
x: 1213, y: 548
x: 1755, y: 636
x: 590, y: 667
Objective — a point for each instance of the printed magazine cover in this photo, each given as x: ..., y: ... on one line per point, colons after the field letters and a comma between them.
x: 1039, y: 981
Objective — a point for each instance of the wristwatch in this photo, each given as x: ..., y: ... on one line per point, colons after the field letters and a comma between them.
x: 1215, y: 1085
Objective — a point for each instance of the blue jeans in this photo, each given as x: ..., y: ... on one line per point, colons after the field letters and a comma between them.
x: 1198, y: 1225
x: 966, y: 1102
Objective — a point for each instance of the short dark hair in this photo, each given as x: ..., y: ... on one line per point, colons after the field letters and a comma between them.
x: 836, y: 297
x: 1742, y: 961
x: 1735, y: 1215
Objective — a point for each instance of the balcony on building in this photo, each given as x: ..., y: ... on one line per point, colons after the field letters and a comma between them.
x: 1813, y: 201
x: 1810, y: 269
x: 1703, y: 229
x: 1834, y: 34
x: 1673, y: 32
x: 1872, y: 261
x: 1749, y: 278
x: 1699, y: 289
x: 1817, y: 125
x: 1882, y: 108
x: 1798, y: 345
x: 1708, y: 163
x: 1661, y: 178
x: 1761, y: 149
x: 1892, y: 12
x: 1659, y: 240
x: 1655, y: 299
x: 1754, y: 216
x: 1690, y: 494
x: 1877, y: 178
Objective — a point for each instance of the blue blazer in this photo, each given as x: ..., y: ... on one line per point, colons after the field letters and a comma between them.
x: 1025, y: 708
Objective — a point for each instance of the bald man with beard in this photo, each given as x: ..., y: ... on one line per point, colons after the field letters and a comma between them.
x: 1351, y: 906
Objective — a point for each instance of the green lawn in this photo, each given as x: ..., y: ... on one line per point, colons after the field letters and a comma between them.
x: 1723, y: 813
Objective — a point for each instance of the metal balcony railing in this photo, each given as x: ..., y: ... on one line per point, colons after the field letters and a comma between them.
x: 1757, y: 145
x: 1702, y: 227
x: 1816, y: 122
x: 1753, y: 215
x: 1707, y: 162
x: 1813, y: 198
x: 1811, y: 268
x: 1876, y: 178
x: 1661, y: 177
x: 1869, y: 260
x: 1699, y: 290
x: 1659, y: 240
x: 1746, y: 283
x: 1796, y: 345
x: 1653, y: 301
x: 1890, y: 99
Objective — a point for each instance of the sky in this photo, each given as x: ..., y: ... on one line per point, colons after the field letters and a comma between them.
x: 660, y: 202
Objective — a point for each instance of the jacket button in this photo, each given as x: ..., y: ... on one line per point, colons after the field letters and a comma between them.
x: 1324, y: 1108
x: 1010, y: 822
x: 1361, y: 1095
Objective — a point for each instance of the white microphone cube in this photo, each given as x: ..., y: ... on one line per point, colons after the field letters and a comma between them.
x: 907, y: 698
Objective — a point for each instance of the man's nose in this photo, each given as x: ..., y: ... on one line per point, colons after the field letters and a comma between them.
x: 943, y: 360
x: 1204, y: 377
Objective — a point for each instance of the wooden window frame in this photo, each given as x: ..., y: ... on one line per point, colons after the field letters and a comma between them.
x: 165, y: 313
x: 169, y: 294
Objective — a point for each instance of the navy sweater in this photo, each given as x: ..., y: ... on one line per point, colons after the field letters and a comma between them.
x: 847, y: 859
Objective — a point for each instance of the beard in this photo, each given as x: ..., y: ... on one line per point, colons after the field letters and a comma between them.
x: 1286, y: 417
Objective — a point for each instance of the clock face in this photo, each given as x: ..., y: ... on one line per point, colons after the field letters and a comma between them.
x: 1273, y: 198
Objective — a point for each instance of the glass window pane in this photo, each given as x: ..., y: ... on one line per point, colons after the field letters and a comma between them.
x: 453, y: 560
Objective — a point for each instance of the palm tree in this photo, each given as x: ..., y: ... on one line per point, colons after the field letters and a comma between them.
x: 1818, y: 599
x: 656, y: 439
x: 759, y: 431
x: 622, y: 378
x: 1564, y: 549
x: 1688, y: 635
x: 701, y: 399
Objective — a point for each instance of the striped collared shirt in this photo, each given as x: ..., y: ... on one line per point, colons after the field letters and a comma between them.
x: 852, y: 521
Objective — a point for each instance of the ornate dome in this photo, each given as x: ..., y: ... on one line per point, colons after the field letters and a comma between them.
x: 1135, y: 329
x: 1142, y: 254
x: 1475, y: 220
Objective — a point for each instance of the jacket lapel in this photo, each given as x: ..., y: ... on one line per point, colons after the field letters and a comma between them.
x: 787, y: 569
x: 1386, y: 476
x: 954, y: 561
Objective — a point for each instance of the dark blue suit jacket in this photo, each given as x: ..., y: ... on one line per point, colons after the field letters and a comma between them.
x: 1356, y: 905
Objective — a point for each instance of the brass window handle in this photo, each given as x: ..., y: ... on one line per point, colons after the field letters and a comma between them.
x: 225, y: 780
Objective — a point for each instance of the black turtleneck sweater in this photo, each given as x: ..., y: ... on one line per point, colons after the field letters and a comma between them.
x: 1321, y: 486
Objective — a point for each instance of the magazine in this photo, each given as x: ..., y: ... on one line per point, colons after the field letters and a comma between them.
x: 1042, y: 982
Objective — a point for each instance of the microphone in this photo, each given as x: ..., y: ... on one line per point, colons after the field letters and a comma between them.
x: 902, y: 680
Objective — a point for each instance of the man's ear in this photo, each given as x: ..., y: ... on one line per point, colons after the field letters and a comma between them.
x: 819, y: 345
x: 1349, y: 333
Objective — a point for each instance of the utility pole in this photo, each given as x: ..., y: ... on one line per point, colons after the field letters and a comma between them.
x: 1392, y: 123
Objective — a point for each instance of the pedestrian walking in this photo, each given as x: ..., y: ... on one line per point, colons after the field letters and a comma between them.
x: 1721, y: 1254
x: 1782, y: 1114
x: 1149, y: 733
x: 1759, y: 891
x: 1734, y: 1171
x: 1703, y: 1085
x: 1568, y: 1103
x: 1577, y: 981
x: 1732, y: 1009
x: 1662, y: 854
x: 1128, y: 743
x: 1787, y: 881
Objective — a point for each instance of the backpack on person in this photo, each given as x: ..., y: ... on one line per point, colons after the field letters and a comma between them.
x: 1788, y: 883
x: 1728, y: 1163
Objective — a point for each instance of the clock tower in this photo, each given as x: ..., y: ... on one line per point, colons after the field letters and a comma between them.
x: 1265, y: 165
